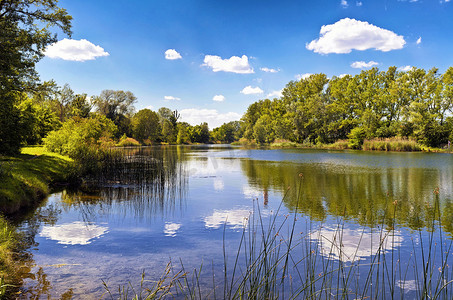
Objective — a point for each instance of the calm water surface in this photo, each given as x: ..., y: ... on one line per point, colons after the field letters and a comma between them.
x: 134, y: 220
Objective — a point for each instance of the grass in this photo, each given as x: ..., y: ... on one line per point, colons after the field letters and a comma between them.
x: 27, y: 177
x: 9, y: 240
x: 391, y: 144
x: 274, y: 261
x: 128, y: 142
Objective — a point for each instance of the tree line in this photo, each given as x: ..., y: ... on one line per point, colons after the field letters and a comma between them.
x: 415, y: 104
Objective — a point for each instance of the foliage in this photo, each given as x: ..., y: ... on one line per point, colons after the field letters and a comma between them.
x: 117, y: 106
x: 356, y: 137
x: 228, y: 132
x: 77, y: 135
x: 127, y: 141
x: 25, y: 31
x: 168, y: 121
x: 36, y: 121
x: 416, y: 104
x: 145, y: 126
x: 183, y: 135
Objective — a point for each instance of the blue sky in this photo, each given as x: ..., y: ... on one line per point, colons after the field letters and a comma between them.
x: 211, y: 59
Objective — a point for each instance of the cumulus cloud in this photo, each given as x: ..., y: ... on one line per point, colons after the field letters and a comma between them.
x: 358, y: 3
x: 419, y: 41
x: 303, y: 76
x: 350, y: 34
x: 172, y: 54
x: 74, y: 50
x: 218, y: 98
x: 249, y: 90
x: 405, y: 68
x: 344, y: 3
x: 269, y: 70
x: 214, y: 119
x: 275, y: 94
x: 363, y: 65
x: 233, y: 64
x: 169, y: 98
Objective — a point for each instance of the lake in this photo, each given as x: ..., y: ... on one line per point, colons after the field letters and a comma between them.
x: 195, y: 206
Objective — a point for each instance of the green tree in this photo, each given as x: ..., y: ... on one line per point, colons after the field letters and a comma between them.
x: 117, y: 106
x: 145, y: 126
x: 25, y: 31
x: 183, y: 135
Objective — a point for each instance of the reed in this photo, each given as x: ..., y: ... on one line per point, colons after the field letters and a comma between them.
x: 391, y: 144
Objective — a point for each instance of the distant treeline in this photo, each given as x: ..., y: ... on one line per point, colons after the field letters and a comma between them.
x: 373, y: 104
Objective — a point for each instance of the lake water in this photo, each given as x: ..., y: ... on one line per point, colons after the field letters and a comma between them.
x: 193, y: 204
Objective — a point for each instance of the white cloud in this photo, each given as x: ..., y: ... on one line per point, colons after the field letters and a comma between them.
x: 342, y: 75
x: 349, y: 34
x: 269, y: 70
x: 149, y: 107
x: 405, y: 68
x: 170, y: 229
x: 74, y: 50
x: 275, y: 94
x: 303, y: 76
x: 214, y: 119
x: 419, y: 41
x: 75, y: 233
x: 358, y: 3
x: 218, y: 98
x: 172, y: 54
x: 362, y: 64
x: 248, y: 90
x: 344, y: 3
x: 233, y: 64
x: 236, y: 218
x: 168, y: 98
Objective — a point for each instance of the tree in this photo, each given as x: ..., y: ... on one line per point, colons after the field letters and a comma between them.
x: 183, y: 136
x: 25, y: 31
x: 145, y: 126
x: 117, y: 106
x: 168, y: 121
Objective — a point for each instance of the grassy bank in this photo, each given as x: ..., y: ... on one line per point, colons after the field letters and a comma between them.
x: 378, y: 144
x: 26, y: 178
x: 9, y: 240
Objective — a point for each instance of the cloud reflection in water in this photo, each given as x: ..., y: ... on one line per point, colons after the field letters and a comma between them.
x: 237, y: 218
x: 350, y: 245
x: 75, y: 233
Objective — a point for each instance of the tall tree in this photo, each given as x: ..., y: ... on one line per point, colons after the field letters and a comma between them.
x: 117, y: 106
x: 25, y: 31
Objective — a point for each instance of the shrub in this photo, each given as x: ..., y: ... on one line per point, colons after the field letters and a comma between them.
x: 356, y: 137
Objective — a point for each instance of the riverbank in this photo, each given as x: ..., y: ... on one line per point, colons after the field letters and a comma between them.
x: 388, y: 144
x: 29, y: 176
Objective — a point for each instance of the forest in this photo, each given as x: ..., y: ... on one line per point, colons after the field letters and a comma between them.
x: 415, y: 104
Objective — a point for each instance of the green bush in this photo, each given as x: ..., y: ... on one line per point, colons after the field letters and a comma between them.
x: 356, y: 137
x: 77, y: 134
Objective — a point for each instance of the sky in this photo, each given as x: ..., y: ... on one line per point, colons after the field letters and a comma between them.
x: 211, y: 59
